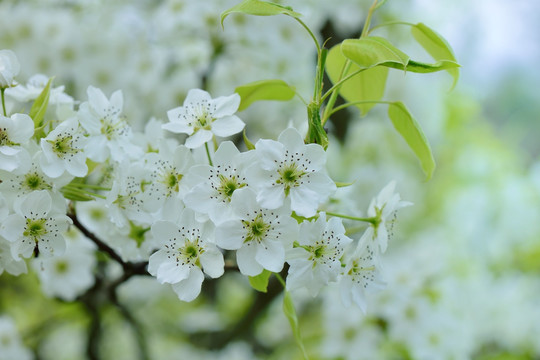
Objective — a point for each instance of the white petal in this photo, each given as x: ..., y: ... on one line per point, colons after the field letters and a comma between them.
x: 37, y: 202
x: 23, y: 129
x: 271, y: 197
x: 212, y: 262
x: 197, y: 96
x: 190, y: 288
x: 51, y: 246
x: 245, y: 258
x: 227, y: 126
x: 225, y: 152
x: 292, y: 140
x: 170, y: 272
x: 12, y: 228
x: 198, y: 139
x: 162, y: 231
x: 98, y: 101
x: 226, y: 105
x: 271, y: 255
x: 304, y: 201
x: 230, y: 235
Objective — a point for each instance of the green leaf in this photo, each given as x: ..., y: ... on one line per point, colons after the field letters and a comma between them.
x: 259, y: 8
x: 420, y: 67
x: 249, y: 144
x: 436, y: 46
x: 290, y: 313
x: 37, y: 112
x: 410, y: 130
x: 343, y: 184
x: 371, y: 51
x: 367, y: 85
x: 264, y: 90
x: 260, y: 282
x: 74, y: 194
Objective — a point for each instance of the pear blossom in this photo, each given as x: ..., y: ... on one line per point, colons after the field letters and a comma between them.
x: 185, y: 251
x: 9, y: 68
x: 68, y: 275
x: 288, y: 168
x: 214, y: 185
x: 362, y: 273
x: 202, y: 117
x: 11, y: 345
x: 34, y: 87
x: 315, y: 261
x: 259, y: 236
x: 15, y: 132
x: 36, y: 227
x: 7, y: 262
x: 166, y: 187
x: 108, y: 132
x: 381, y: 208
x: 16, y: 187
x: 63, y: 150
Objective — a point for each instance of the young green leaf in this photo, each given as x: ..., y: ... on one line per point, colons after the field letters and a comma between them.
x: 436, y: 46
x: 260, y: 282
x: 367, y: 85
x: 264, y: 90
x: 411, y: 132
x: 37, y: 112
x: 290, y: 313
x: 343, y: 184
x: 249, y: 144
x: 420, y: 67
x: 371, y: 51
x: 259, y: 8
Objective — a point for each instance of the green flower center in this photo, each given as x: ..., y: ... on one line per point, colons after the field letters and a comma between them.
x: 227, y: 186
x: 33, y: 181
x: 256, y: 229
x: 4, y: 138
x: 61, y: 267
x: 35, y: 228
x: 63, y: 145
x: 190, y: 252
x: 289, y: 176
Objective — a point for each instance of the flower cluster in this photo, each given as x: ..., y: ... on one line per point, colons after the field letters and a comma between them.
x: 185, y: 208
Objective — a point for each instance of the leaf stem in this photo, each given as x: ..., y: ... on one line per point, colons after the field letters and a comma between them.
x: 339, y: 83
x: 3, y: 101
x: 341, y: 107
x: 373, y: 220
x: 311, y: 34
x: 208, y: 154
x: 389, y: 24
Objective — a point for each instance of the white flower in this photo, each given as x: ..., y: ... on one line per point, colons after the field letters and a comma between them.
x: 166, y: 187
x: 7, y: 262
x: 11, y: 346
x: 361, y: 274
x: 288, y: 168
x: 33, y: 89
x: 259, y: 236
x: 381, y: 208
x: 185, y: 251
x: 109, y: 133
x: 63, y: 150
x: 201, y: 117
x: 316, y: 260
x: 16, y: 187
x: 36, y: 227
x: 9, y: 68
x: 70, y: 274
x: 214, y: 185
x: 15, y: 132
